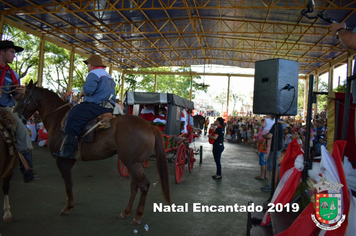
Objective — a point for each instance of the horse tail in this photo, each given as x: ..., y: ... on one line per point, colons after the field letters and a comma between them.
x: 162, y: 165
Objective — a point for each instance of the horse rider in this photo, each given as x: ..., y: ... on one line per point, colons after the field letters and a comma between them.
x: 99, y: 98
x: 11, y: 91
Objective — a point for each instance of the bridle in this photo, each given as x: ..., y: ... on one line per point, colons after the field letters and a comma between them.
x: 27, y: 101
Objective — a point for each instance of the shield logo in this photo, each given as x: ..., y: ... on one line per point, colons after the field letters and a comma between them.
x: 328, y: 208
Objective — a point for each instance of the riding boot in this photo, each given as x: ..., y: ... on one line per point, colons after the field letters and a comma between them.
x: 28, y: 175
x: 69, y: 147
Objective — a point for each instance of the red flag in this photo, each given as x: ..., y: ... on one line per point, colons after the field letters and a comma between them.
x: 338, y: 153
x: 290, y: 178
x: 292, y: 152
x: 303, y: 225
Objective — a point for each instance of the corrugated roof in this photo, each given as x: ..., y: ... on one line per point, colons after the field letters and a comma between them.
x: 152, y: 33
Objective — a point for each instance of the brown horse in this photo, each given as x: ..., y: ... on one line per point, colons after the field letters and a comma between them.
x: 131, y: 137
x: 8, y: 157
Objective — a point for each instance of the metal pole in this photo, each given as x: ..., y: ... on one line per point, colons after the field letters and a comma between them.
x: 274, y: 158
x: 307, y: 162
x: 337, y: 118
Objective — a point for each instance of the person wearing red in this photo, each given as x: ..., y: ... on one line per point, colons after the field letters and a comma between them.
x: 160, y: 119
x: 11, y: 91
x: 147, y: 113
x: 42, y: 137
x: 218, y: 145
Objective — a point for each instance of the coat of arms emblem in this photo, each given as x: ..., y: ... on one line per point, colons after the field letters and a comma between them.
x: 328, y: 206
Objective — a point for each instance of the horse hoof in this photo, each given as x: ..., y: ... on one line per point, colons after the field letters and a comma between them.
x: 7, y: 220
x: 64, y: 212
x: 123, y: 216
x: 135, y: 222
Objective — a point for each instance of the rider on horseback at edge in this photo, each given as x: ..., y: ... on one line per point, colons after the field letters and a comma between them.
x: 99, y: 98
x: 11, y: 91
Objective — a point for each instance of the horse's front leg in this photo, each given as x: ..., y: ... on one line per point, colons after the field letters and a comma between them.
x: 7, y: 218
x: 65, y: 167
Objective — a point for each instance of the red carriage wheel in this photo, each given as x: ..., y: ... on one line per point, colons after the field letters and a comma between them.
x: 180, y: 163
x: 145, y: 164
x: 124, y: 172
x: 191, y: 160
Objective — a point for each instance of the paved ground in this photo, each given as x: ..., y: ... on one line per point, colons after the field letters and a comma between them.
x: 101, y: 194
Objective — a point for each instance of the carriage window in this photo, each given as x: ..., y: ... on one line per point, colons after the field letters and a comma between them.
x: 179, y: 111
x: 136, y: 109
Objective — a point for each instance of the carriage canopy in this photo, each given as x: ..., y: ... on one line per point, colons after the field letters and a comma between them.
x: 143, y: 98
x: 174, y: 102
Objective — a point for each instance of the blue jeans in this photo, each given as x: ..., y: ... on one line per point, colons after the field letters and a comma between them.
x: 80, y: 115
x: 217, y: 150
x: 270, y: 158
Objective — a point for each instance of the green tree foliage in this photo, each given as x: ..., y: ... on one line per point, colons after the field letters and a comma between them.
x: 341, y: 88
x: 322, y: 99
x: 221, y: 99
x: 301, y: 88
x: 171, y: 83
x: 235, y: 97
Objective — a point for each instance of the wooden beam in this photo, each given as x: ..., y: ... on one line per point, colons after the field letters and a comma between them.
x: 331, y: 79
x: 155, y: 86
x: 41, y: 60
x: 71, y: 70
x: 186, y: 73
x: 191, y: 88
x: 2, y: 21
x: 122, y: 85
x: 49, y: 39
x: 228, y: 95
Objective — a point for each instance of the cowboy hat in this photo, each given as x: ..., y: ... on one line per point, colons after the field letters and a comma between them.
x: 10, y: 44
x: 95, y: 60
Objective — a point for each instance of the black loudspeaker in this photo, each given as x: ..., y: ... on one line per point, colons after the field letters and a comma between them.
x: 276, y: 87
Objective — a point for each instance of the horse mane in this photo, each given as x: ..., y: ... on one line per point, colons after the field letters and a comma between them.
x: 49, y: 95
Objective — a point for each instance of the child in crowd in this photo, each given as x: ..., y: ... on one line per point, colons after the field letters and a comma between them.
x: 287, y: 136
x: 297, y: 135
x: 255, y: 133
x: 244, y: 134
x: 321, y: 142
x: 278, y: 169
x: 262, y: 155
x: 269, y: 122
x: 249, y: 135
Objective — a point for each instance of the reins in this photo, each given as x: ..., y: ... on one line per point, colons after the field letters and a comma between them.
x: 67, y: 104
x: 9, y: 86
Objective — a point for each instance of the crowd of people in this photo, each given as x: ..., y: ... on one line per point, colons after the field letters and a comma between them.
x: 258, y: 132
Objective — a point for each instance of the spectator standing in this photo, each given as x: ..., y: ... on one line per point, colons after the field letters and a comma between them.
x: 270, y: 155
x: 218, y: 145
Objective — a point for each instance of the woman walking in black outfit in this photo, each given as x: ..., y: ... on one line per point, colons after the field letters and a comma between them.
x: 218, y: 146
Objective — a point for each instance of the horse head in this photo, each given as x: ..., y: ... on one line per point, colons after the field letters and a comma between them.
x: 29, y: 104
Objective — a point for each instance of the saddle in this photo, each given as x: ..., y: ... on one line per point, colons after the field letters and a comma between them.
x: 98, y: 123
x: 8, y: 127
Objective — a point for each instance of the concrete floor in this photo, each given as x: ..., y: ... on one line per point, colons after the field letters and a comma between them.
x: 101, y: 194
